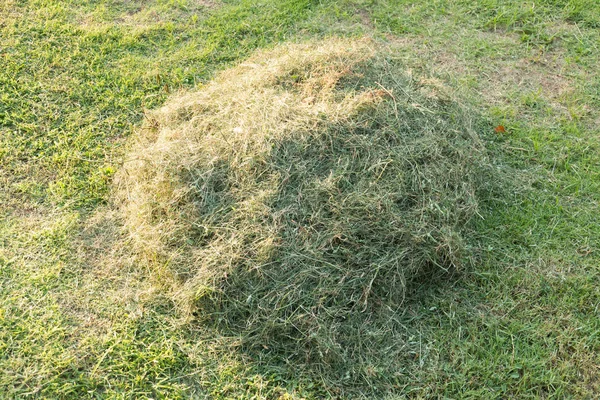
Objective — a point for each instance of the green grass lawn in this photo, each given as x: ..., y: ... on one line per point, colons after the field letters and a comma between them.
x: 75, y: 81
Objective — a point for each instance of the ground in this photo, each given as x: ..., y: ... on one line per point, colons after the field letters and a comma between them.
x: 75, y: 81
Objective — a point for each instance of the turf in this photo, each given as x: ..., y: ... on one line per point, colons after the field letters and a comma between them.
x: 76, y: 78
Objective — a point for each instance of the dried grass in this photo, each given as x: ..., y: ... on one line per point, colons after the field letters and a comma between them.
x: 295, y: 197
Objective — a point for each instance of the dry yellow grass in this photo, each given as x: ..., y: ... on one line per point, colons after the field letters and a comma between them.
x: 289, y: 202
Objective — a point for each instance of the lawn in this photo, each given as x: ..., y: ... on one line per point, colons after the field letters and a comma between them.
x: 80, y: 318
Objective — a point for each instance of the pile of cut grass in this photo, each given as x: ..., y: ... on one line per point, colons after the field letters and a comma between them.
x: 296, y: 196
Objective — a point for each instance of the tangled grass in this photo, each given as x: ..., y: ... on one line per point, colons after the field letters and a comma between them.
x: 295, y: 197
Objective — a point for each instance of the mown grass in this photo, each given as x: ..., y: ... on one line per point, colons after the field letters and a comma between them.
x: 75, y: 80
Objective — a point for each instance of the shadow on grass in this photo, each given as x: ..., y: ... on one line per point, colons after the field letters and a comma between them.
x: 335, y: 306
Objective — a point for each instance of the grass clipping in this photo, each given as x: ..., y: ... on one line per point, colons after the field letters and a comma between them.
x: 295, y: 196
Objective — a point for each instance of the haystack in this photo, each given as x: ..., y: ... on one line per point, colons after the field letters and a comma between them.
x: 296, y: 196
